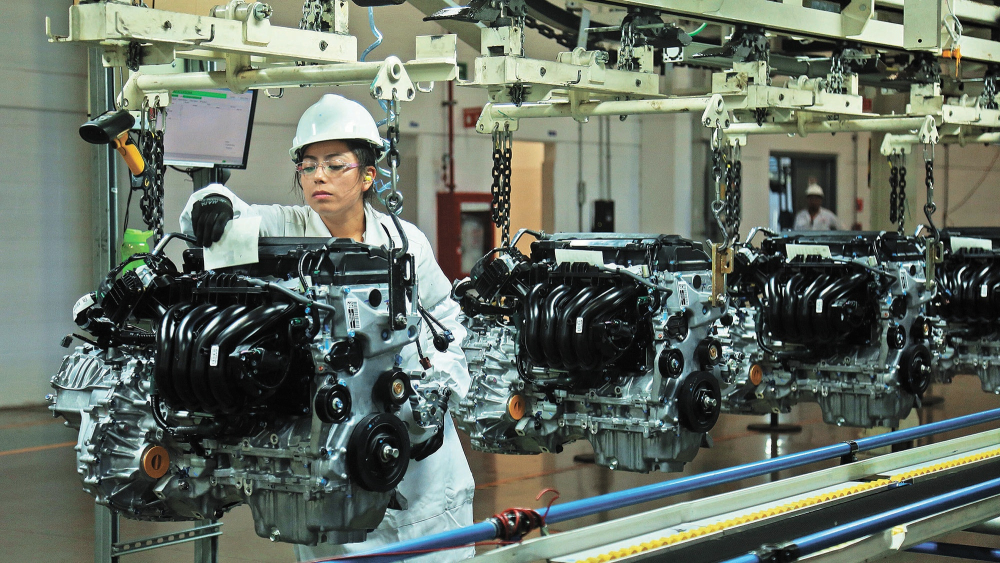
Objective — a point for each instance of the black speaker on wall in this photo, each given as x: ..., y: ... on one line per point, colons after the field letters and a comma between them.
x: 604, y: 216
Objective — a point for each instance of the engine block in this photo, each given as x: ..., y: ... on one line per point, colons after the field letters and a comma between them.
x: 968, y: 303
x: 603, y: 337
x: 277, y: 385
x: 839, y: 318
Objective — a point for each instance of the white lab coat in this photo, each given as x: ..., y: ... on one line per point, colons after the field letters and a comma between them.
x: 439, y: 488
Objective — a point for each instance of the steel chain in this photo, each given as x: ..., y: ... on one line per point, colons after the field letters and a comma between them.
x: 151, y: 148
x: 550, y: 33
x: 133, y: 56
x: 393, y: 200
x: 312, y: 12
x: 893, y: 187
x: 835, y: 80
x: 988, y: 98
x: 626, y: 55
x: 502, y: 153
x: 930, y: 207
x: 901, y: 212
x: 734, y: 198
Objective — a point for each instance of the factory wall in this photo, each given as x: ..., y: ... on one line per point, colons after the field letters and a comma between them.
x: 46, y: 240
x: 658, y: 172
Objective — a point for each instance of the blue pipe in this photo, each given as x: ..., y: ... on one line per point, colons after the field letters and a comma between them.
x: 484, y: 531
x: 812, y: 543
x: 970, y: 552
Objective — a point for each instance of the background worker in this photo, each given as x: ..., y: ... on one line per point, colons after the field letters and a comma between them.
x: 335, y: 149
x: 815, y: 217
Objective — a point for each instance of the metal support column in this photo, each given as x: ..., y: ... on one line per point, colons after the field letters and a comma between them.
x: 105, y: 177
x: 206, y: 549
x: 106, y: 534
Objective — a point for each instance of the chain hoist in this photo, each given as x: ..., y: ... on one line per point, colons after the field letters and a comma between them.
x: 930, y: 207
x: 502, y: 143
x: 393, y: 200
x: 626, y: 55
x: 151, y: 181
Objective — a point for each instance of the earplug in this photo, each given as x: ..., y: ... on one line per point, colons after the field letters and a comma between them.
x: 368, y: 178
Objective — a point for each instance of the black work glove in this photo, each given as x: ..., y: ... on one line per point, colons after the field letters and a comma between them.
x: 209, y: 216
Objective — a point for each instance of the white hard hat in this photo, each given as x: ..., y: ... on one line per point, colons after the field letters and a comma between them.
x: 814, y: 189
x: 335, y: 118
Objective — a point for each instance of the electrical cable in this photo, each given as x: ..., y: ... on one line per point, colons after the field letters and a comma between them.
x: 699, y: 30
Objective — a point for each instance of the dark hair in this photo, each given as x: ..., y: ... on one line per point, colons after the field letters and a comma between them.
x: 366, y: 158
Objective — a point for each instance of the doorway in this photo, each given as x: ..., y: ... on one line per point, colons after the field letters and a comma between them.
x: 789, y: 175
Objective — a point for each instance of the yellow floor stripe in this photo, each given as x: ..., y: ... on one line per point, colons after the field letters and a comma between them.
x: 761, y: 514
x: 37, y: 448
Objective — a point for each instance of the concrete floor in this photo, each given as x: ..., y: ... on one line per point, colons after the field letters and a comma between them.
x: 46, y: 517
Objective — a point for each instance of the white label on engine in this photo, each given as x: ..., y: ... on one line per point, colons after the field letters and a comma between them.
x: 567, y: 255
x: 984, y: 291
x: 82, y: 304
x: 960, y: 243
x: 353, y: 313
x: 819, y: 305
x: 213, y: 359
x: 682, y: 294
x: 579, y: 325
x: 795, y: 250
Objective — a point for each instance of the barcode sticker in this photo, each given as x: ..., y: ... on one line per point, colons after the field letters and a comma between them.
x: 213, y: 360
x: 353, y: 313
x: 82, y: 304
x: 579, y: 325
x: 819, y: 305
x: 682, y: 292
x: 984, y: 291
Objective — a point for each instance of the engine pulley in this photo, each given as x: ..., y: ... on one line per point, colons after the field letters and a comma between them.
x: 915, y: 370
x: 699, y: 401
x: 378, y: 452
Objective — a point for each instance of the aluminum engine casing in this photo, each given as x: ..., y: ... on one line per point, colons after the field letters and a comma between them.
x: 287, y: 403
x: 644, y: 408
x: 968, y: 304
x: 838, y: 318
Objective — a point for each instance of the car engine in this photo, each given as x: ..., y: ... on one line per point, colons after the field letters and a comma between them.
x: 840, y: 318
x: 606, y: 337
x: 968, y: 303
x: 276, y: 384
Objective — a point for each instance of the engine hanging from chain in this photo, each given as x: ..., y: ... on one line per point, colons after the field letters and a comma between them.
x: 151, y: 182
x: 502, y: 143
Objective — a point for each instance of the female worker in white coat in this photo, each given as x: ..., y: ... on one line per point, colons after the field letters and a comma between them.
x: 335, y: 149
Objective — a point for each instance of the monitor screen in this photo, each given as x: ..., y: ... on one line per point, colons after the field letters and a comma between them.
x: 208, y: 128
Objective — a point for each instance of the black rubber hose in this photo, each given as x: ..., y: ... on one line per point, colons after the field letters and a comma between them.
x: 183, y: 348
x: 164, y: 356
x: 532, y: 323
x: 567, y: 326
x: 549, y: 323
x: 201, y: 357
x: 587, y: 355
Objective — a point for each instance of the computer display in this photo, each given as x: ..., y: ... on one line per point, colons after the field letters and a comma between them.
x: 207, y: 128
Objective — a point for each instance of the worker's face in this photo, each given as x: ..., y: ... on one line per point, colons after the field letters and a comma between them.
x: 814, y: 202
x: 335, y: 188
